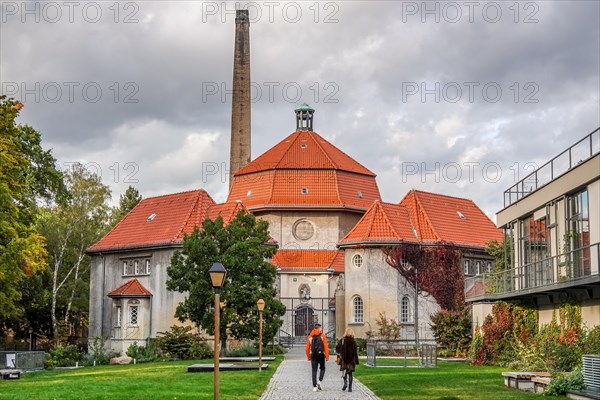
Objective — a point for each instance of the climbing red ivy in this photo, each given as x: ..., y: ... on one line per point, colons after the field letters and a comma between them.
x: 435, y: 268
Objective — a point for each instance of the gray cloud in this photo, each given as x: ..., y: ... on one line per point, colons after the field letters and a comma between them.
x: 160, y: 117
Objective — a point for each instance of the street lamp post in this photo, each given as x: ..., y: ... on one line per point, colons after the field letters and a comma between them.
x: 217, y: 277
x: 30, y: 339
x: 261, y: 306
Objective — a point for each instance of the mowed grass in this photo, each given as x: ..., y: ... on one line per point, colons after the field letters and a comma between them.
x: 449, y: 381
x: 158, y: 380
x: 170, y: 380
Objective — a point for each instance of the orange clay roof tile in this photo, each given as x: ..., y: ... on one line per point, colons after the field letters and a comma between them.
x: 157, y: 221
x: 131, y: 288
x: 454, y: 219
x: 304, y: 170
x: 290, y: 260
x: 306, y: 150
x: 434, y: 217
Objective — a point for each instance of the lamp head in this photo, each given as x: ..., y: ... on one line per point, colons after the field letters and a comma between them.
x: 217, y: 275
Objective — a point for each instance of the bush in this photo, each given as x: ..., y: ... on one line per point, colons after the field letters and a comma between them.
x: 246, y: 351
x: 559, y: 384
x: 279, y: 349
x: 591, y: 344
x: 200, y: 350
x: 64, y: 357
x: 181, y: 344
x: 361, y: 346
x: 99, y: 352
x: 452, y: 330
x: 142, y: 353
x: 389, y: 328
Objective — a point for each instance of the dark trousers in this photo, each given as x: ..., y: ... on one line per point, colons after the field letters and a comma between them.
x: 317, y: 360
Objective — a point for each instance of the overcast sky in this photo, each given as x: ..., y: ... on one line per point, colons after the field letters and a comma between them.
x: 459, y: 98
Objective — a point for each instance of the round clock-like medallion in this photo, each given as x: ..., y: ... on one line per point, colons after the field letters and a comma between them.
x: 303, y: 229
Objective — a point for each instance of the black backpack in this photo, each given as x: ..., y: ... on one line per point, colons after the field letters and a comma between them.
x: 317, y: 346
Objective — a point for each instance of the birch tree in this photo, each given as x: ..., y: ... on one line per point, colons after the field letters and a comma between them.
x: 69, y: 231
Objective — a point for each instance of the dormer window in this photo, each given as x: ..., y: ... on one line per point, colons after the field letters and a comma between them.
x: 461, y: 215
x: 150, y: 217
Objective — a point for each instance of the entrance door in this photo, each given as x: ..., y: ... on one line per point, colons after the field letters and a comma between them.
x: 304, y: 321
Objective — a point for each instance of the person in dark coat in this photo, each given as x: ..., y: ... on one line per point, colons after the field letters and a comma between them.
x: 348, y: 352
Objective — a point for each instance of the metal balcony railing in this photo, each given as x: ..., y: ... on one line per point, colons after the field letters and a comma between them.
x: 581, y: 151
x: 563, y: 268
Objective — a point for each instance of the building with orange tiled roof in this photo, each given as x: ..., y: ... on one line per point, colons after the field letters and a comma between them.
x: 325, y: 214
x: 420, y: 217
x: 128, y: 297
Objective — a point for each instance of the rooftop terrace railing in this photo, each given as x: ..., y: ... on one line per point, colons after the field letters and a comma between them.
x: 564, y: 268
x: 581, y: 151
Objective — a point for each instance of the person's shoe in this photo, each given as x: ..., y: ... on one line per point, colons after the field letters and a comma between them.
x: 319, y: 385
x: 349, y: 389
x: 344, y: 387
x: 315, y: 389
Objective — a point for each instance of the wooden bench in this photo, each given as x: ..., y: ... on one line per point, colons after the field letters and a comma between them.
x: 540, y: 383
x: 11, y: 373
x: 525, y: 380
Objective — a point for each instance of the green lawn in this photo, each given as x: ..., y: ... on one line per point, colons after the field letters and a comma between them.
x: 449, y: 381
x: 170, y: 380
x: 158, y: 380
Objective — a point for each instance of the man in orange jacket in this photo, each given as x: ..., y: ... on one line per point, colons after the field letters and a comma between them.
x: 317, y: 352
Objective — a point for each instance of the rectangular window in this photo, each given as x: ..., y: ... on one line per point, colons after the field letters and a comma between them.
x: 137, y: 267
x: 577, y: 235
x: 133, y: 315
x: 147, y: 267
x: 404, y: 314
x: 466, y: 266
x: 478, y: 267
x: 488, y: 267
x: 358, y: 310
x: 118, y: 318
x: 125, y: 267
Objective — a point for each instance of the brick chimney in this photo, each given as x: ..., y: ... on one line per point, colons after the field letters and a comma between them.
x: 240, y: 107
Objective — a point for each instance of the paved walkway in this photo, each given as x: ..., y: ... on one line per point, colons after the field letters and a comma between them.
x: 292, y: 381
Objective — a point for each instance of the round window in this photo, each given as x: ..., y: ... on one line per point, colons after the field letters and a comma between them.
x: 303, y: 229
x: 357, y: 260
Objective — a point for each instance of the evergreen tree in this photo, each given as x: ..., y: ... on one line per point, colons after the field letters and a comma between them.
x: 127, y: 201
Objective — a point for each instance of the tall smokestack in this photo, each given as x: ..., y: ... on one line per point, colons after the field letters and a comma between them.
x: 240, y: 106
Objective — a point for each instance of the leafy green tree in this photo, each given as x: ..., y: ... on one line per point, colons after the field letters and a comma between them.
x: 241, y: 247
x: 127, y: 201
x: 502, y: 253
x: 28, y: 177
x: 69, y: 230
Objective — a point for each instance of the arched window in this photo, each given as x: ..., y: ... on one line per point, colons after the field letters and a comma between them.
x: 404, y: 310
x: 358, y: 309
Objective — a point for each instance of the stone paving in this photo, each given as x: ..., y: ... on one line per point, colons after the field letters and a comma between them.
x: 292, y: 381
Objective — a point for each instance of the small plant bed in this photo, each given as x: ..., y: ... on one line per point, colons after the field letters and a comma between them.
x: 224, y: 367
x: 244, y: 359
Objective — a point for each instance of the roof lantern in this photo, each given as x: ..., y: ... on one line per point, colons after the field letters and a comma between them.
x: 304, y: 117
